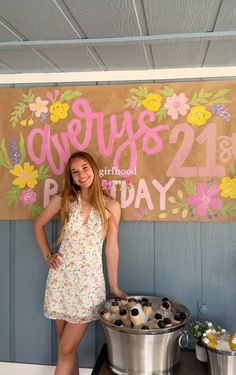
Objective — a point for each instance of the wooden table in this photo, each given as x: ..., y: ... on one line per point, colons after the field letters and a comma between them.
x: 189, y: 365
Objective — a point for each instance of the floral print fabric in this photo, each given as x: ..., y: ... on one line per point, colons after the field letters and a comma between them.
x: 77, y: 287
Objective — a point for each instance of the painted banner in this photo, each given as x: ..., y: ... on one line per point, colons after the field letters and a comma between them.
x: 165, y: 151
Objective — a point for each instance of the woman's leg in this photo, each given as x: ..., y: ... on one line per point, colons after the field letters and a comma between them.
x: 60, y: 326
x: 69, y: 342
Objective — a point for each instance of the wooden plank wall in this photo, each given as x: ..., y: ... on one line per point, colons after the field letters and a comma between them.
x: 193, y: 263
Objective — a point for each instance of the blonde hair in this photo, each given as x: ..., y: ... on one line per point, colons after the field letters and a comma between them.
x: 70, y: 192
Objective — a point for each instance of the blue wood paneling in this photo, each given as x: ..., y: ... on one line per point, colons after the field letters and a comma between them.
x: 5, y: 290
x: 137, y: 257
x: 190, y: 262
x: 219, y: 273
x: 30, y: 276
x: 178, y: 262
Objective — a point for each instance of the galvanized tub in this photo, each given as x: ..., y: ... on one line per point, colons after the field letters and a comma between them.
x: 221, y: 362
x: 144, y: 352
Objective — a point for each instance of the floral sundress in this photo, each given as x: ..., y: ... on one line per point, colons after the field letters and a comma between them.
x: 77, y: 286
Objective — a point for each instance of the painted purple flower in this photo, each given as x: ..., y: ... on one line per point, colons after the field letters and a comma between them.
x: 220, y: 110
x: 14, y: 154
x: 205, y: 199
x: 27, y: 196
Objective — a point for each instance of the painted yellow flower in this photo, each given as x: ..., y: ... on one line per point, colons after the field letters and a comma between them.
x: 58, y: 111
x: 171, y: 199
x: 152, y: 102
x: 184, y: 213
x: 23, y: 123
x: 30, y: 122
x: 162, y: 216
x: 198, y: 115
x: 26, y: 175
x: 180, y: 194
x: 228, y: 187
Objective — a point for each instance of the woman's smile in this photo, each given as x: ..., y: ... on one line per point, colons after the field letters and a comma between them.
x: 82, y: 173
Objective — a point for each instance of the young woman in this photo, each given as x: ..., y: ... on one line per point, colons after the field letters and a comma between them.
x: 75, y: 283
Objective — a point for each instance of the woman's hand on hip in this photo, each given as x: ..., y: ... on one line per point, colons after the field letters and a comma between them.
x: 54, y: 261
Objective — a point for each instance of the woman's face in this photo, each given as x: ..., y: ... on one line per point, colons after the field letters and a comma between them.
x: 81, y: 173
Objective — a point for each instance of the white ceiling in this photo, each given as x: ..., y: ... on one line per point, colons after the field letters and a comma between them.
x: 109, y: 35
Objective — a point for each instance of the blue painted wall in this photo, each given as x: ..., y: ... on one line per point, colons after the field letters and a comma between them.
x: 193, y: 263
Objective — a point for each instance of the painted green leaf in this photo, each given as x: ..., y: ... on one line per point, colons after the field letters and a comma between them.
x: 194, y: 98
x: 232, y: 170
x: 189, y: 186
x: 43, y: 172
x: 167, y: 91
x: 2, y: 161
x: 70, y: 94
x: 16, y: 115
x: 221, y: 93
x: 206, y: 95
x: 203, y: 101
x: 145, y: 91
x: 35, y: 209
x: 201, y: 92
x: 135, y: 98
x: 127, y: 103
x: 161, y: 114
x: 134, y: 91
x: 5, y: 154
x: 141, y: 92
x: 220, y: 101
x: 28, y: 98
x: 200, y: 97
x: 12, y: 195
x: 22, y: 149
x: 229, y: 209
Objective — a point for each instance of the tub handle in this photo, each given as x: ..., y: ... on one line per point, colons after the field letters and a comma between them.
x: 183, y: 340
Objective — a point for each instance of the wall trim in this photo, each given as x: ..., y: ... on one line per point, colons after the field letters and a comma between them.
x: 124, y: 75
x: 10, y: 368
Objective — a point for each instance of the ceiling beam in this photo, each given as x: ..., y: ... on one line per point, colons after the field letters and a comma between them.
x: 120, y: 76
x: 124, y: 41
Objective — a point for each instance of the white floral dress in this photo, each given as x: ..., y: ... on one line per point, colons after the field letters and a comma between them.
x: 77, y: 286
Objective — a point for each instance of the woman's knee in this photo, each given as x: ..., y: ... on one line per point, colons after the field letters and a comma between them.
x: 66, y: 350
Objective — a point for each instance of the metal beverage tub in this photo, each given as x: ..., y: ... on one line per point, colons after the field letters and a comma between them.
x: 144, y: 352
x: 221, y: 362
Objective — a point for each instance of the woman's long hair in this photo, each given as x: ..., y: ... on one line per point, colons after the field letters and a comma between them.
x: 71, y: 190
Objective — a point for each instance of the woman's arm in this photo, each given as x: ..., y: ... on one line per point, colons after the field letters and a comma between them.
x: 112, y: 248
x: 46, y: 215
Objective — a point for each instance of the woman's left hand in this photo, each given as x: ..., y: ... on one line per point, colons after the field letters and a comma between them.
x: 119, y: 293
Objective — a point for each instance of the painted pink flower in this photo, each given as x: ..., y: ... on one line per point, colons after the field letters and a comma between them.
x: 205, y: 199
x: 176, y: 105
x: 27, y: 196
x: 39, y: 106
x: 107, y: 185
x: 128, y: 182
x: 49, y: 95
x: 132, y: 104
x: 52, y: 94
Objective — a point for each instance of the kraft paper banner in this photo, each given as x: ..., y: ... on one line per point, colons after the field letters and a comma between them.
x: 165, y: 151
